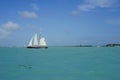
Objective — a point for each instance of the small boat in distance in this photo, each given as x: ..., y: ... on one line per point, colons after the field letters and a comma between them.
x: 37, y: 43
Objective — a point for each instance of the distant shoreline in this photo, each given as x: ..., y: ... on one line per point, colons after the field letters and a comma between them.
x: 107, y: 45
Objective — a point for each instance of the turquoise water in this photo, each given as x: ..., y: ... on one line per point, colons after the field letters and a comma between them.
x: 60, y: 63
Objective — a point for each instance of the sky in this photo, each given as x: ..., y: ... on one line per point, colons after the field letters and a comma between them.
x: 61, y: 22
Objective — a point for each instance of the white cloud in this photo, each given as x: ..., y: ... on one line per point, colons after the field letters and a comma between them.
x: 101, y: 3
x: 10, y: 26
x: 89, y: 5
x: 7, y: 28
x: 27, y: 14
x: 35, y: 6
x: 86, y: 7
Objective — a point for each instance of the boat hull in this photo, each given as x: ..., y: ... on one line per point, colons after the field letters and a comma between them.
x: 37, y: 47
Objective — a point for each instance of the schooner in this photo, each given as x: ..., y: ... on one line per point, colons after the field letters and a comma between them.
x: 37, y: 43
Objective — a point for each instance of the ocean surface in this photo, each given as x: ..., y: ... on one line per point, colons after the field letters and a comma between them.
x: 60, y: 63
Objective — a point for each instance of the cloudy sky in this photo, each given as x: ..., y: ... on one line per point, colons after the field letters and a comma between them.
x: 62, y: 22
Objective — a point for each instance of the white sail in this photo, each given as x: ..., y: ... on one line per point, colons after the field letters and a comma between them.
x: 42, y: 42
x: 30, y: 43
x: 35, y: 42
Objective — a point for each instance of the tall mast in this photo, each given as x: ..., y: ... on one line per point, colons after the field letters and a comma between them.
x: 35, y: 43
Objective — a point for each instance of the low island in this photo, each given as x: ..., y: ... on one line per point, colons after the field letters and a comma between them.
x: 112, y: 45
